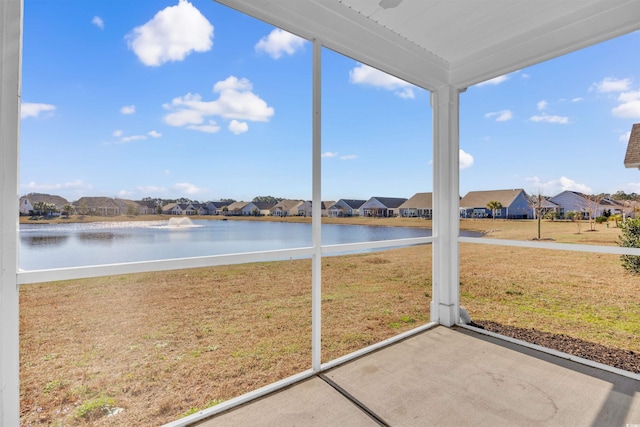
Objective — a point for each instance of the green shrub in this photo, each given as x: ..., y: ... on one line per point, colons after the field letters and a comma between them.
x: 93, y: 409
x: 630, y: 238
x: 601, y: 219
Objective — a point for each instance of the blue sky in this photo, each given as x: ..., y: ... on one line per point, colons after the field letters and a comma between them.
x: 190, y: 99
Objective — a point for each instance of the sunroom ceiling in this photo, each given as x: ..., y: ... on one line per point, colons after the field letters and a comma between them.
x: 432, y: 43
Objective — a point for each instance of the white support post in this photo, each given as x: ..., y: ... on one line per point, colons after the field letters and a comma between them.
x: 316, y: 209
x: 446, y: 201
x: 11, y: 47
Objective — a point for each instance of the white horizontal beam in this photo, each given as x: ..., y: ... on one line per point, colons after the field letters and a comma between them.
x: 614, y: 250
x: 52, y: 275
x: 70, y: 273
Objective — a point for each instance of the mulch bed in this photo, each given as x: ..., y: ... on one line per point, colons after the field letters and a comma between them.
x: 627, y: 360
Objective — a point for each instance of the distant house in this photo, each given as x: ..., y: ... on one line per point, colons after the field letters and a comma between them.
x: 345, y: 208
x: 242, y: 209
x: 515, y: 204
x: 546, y: 206
x: 179, y: 209
x: 26, y: 202
x: 215, y: 208
x: 101, y: 206
x: 420, y: 205
x: 573, y: 201
x: 200, y: 209
x: 147, y: 207
x: 131, y: 207
x: 306, y: 209
x: 286, y: 207
x: 632, y: 158
x: 264, y: 208
x: 386, y: 207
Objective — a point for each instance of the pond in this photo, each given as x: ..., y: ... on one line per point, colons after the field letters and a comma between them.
x: 44, y: 246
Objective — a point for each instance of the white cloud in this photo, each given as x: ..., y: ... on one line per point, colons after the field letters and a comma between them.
x: 496, y: 80
x: 406, y: 93
x: 624, y: 137
x: 368, y: 76
x: 542, y: 105
x: 632, y: 187
x: 117, y: 133
x: 349, y: 157
x: 578, y: 99
x: 72, y: 185
x: 562, y: 120
x: 98, y: 22
x: 154, y: 134
x: 186, y: 188
x: 501, y: 116
x: 33, y: 109
x: 133, y: 138
x: 279, y: 43
x: 609, y: 84
x: 236, y: 101
x: 237, y: 127
x: 212, y: 127
x: 466, y: 160
x: 329, y: 154
x: 128, y: 109
x: 630, y: 105
x: 171, y: 35
x: 555, y: 186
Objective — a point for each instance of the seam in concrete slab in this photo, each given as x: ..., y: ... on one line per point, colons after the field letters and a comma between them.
x: 375, y: 417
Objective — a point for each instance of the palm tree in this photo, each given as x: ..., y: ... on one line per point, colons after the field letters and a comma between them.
x: 67, y: 209
x: 494, y: 205
x: 38, y: 208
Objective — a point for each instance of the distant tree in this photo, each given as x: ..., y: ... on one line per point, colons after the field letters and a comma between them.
x: 630, y: 238
x: 225, y: 210
x: 593, y: 203
x: 620, y: 195
x: 82, y: 208
x: 255, y: 212
x: 228, y: 201
x: 536, y: 203
x: 38, y: 208
x: 494, y: 205
x: 575, y: 216
x: 132, y: 210
x: 67, y: 209
x: 267, y: 199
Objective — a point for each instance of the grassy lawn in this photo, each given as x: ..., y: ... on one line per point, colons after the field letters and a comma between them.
x: 157, y: 346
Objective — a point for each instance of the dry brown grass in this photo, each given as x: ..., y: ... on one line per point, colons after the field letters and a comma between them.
x: 162, y: 344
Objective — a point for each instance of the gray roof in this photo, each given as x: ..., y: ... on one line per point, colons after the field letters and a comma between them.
x: 390, y: 202
x: 353, y: 203
x: 632, y: 159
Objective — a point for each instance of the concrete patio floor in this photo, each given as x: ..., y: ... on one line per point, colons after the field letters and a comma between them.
x: 449, y: 377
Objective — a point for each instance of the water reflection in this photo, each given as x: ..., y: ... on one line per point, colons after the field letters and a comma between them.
x: 101, y: 238
x: 48, y: 241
